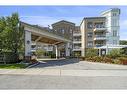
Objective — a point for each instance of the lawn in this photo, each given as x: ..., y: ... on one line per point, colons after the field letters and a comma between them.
x: 12, y: 66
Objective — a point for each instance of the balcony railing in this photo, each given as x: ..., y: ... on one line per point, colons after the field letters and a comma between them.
x: 76, y: 48
x: 99, y: 28
x: 76, y: 41
x: 100, y: 37
x: 99, y: 45
x: 77, y: 34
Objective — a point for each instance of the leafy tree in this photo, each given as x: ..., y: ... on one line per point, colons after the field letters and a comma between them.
x: 123, y: 42
x: 2, y: 35
x: 115, y: 53
x: 11, y: 34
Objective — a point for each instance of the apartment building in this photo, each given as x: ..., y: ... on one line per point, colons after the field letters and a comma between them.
x: 93, y: 32
x: 101, y: 31
x: 112, y: 25
x: 77, y: 41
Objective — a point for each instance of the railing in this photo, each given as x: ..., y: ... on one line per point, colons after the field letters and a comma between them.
x: 100, y: 37
x: 101, y: 28
x: 77, y: 34
x: 78, y: 39
x: 99, y: 45
x: 76, y: 48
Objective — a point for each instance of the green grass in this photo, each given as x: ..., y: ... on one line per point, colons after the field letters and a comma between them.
x: 12, y: 66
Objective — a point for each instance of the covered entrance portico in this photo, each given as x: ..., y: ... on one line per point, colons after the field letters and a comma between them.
x: 39, y: 34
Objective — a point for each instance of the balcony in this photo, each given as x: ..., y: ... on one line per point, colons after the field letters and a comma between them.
x: 99, y: 28
x: 76, y: 48
x: 99, y: 45
x: 100, y: 37
x: 76, y: 40
x: 76, y: 34
x: 79, y: 41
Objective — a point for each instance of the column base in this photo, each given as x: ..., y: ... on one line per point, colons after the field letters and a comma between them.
x: 27, y: 58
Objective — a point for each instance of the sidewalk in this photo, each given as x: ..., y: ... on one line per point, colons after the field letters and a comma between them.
x: 44, y: 59
x: 60, y: 72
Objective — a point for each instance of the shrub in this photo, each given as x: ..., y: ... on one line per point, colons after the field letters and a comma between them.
x: 123, y: 60
x: 96, y: 59
x: 82, y: 58
x: 89, y: 58
x: 99, y: 59
x: 91, y: 52
x: 40, y: 52
x: 107, y: 60
x: 114, y: 53
x: 116, y: 61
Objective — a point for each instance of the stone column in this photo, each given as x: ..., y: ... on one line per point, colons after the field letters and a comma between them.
x: 67, y: 49
x: 106, y: 49
x: 56, y: 51
x: 27, y: 45
x: 99, y: 52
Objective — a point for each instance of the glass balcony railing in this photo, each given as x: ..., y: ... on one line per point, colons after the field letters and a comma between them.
x: 99, y: 45
x: 100, y: 28
x: 100, y: 37
x: 76, y: 47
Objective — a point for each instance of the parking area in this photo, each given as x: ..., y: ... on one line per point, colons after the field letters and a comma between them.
x: 65, y: 74
x: 75, y: 64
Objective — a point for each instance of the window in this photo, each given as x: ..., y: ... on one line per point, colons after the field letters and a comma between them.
x: 62, y: 31
x: 100, y: 25
x: 89, y: 25
x: 89, y: 35
x: 90, y: 44
x: 114, y: 22
x: 114, y: 14
x: 114, y: 33
x: 114, y: 42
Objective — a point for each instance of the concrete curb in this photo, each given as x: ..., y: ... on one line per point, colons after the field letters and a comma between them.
x: 30, y: 66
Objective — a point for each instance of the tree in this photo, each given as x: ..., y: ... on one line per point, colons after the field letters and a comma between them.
x: 11, y: 34
x: 123, y: 42
x: 2, y: 36
x: 115, y: 53
x: 14, y: 33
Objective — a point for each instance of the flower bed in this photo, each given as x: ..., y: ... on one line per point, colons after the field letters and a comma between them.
x: 120, y: 60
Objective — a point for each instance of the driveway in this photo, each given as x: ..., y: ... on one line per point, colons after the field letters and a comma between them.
x: 75, y: 64
x: 65, y: 74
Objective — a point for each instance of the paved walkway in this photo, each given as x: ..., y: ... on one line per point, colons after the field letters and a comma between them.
x: 61, y: 82
x: 59, y: 72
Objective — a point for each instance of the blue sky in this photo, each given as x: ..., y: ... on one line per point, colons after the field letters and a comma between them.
x: 46, y: 15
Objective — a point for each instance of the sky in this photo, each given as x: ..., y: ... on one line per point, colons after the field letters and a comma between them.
x: 47, y: 15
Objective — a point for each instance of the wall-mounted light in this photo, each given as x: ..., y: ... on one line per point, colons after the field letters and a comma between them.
x: 28, y: 42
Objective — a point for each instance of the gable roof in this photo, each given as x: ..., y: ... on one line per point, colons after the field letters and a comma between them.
x: 63, y: 21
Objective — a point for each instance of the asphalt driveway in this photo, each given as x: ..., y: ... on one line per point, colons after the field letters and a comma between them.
x: 75, y: 64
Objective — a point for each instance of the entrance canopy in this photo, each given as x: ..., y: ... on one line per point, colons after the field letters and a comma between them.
x: 44, y: 35
x: 35, y: 33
